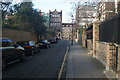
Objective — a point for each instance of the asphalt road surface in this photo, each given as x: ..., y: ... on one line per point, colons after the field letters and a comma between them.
x: 45, y: 64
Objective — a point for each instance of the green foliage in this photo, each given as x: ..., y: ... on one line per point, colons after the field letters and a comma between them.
x: 24, y: 17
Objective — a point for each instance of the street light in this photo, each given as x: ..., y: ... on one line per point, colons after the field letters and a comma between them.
x: 72, y: 29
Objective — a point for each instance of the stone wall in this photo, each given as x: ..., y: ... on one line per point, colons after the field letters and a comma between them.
x: 95, y: 35
x: 102, y: 50
x: 89, y: 46
x: 118, y: 61
x: 83, y: 39
x: 17, y: 35
x: 105, y: 53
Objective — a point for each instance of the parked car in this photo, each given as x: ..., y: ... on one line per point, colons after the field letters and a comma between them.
x: 10, y: 52
x: 43, y: 44
x: 52, y: 40
x: 29, y: 46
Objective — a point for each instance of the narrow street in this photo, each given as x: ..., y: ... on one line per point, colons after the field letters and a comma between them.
x: 45, y: 64
x: 60, y: 39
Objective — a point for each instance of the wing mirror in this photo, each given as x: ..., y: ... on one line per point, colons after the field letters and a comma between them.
x: 15, y: 45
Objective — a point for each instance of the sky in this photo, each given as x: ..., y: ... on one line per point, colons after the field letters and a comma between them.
x: 66, y: 6
x: 46, y: 5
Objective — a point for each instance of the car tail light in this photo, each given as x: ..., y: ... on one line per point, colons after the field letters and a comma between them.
x: 28, y: 46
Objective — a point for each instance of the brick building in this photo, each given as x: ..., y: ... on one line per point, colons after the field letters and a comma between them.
x: 117, y: 6
x: 55, y: 20
x: 106, y: 10
x: 67, y: 31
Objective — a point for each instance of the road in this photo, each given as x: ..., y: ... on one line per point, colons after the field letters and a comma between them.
x: 45, y: 64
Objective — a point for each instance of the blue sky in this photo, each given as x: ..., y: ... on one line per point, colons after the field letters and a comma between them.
x: 46, y: 5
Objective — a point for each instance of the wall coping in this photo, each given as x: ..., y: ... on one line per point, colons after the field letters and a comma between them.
x: 96, y: 21
x: 89, y: 39
x: 105, y: 42
x: 109, y: 43
x: 117, y: 45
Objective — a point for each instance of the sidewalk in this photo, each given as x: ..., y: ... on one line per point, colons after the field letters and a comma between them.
x: 82, y: 65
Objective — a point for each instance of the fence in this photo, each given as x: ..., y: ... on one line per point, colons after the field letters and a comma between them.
x: 110, y: 30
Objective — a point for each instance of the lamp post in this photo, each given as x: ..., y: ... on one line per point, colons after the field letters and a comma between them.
x: 72, y: 30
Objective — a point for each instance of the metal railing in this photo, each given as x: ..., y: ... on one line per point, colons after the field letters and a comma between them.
x: 109, y: 31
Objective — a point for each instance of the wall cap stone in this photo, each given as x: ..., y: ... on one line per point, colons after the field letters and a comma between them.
x: 117, y: 45
x: 96, y: 21
x: 105, y: 42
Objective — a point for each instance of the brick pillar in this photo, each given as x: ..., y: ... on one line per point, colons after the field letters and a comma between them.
x: 118, y: 66
x: 95, y: 35
x: 110, y: 55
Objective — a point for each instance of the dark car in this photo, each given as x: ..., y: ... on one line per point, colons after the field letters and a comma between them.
x: 29, y: 46
x: 43, y: 44
x: 10, y: 52
x: 53, y: 40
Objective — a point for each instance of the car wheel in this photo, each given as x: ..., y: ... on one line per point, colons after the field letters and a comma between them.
x: 3, y: 64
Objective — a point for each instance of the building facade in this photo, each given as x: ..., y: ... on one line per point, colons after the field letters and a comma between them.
x: 55, y: 20
x: 106, y: 10
x: 67, y: 31
x: 85, y: 14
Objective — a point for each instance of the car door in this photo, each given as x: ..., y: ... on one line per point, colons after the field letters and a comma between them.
x: 35, y: 48
x: 17, y: 52
x: 8, y: 50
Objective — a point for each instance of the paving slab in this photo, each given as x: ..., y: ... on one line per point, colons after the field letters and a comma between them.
x: 82, y: 65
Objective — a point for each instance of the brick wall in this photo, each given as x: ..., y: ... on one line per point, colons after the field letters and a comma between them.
x: 119, y: 61
x: 83, y: 39
x: 95, y: 35
x: 89, y: 46
x: 17, y: 35
x: 102, y: 51
x: 105, y: 53
x: 119, y: 7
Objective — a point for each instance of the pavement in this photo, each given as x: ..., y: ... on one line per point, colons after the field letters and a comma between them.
x: 82, y: 65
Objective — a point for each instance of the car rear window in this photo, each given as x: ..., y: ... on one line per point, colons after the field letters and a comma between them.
x: 6, y: 42
x: 23, y: 43
x: 31, y: 43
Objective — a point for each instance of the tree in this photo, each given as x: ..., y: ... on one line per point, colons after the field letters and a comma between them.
x: 83, y: 13
x: 5, y: 9
x: 24, y: 17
